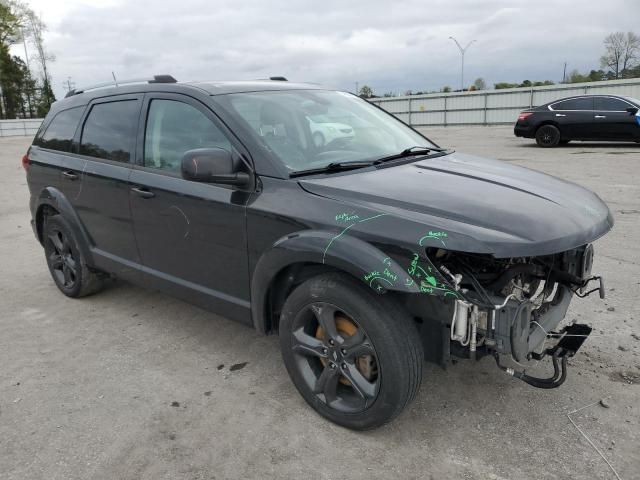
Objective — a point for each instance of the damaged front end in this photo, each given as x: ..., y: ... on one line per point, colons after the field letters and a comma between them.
x: 510, y: 307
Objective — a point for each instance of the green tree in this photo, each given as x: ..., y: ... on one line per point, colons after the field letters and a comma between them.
x: 20, y: 93
x: 365, y: 91
x: 501, y: 85
x: 446, y: 89
x: 480, y: 84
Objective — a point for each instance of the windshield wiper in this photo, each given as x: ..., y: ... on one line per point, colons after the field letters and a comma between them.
x: 411, y: 151
x: 343, y: 166
x: 334, y: 167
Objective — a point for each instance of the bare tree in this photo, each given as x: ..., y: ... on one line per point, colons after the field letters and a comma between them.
x: 622, y: 52
x: 34, y: 29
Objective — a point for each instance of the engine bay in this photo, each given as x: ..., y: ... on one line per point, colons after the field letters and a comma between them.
x: 512, y: 306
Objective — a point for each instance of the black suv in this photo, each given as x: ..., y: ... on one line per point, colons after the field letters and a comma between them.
x: 587, y: 117
x: 367, y: 251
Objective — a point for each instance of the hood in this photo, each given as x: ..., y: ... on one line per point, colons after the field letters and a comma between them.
x: 484, y: 205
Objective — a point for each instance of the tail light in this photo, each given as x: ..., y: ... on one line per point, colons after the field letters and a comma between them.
x: 524, y: 116
x: 25, y: 162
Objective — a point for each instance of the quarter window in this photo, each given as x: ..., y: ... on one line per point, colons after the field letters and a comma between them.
x: 59, y: 134
x: 584, y: 103
x: 611, y: 104
x: 175, y: 127
x: 110, y: 130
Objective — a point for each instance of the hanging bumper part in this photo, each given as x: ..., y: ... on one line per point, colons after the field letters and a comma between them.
x: 571, y: 339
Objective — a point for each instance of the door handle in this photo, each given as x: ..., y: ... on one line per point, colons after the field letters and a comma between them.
x: 560, y: 115
x: 143, y: 192
x: 600, y: 116
x: 70, y: 175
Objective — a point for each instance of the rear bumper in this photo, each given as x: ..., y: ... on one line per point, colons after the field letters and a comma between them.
x: 525, y: 131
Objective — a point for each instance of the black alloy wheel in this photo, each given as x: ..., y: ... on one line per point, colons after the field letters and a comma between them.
x: 548, y: 136
x: 335, y: 357
x: 63, y: 264
x: 353, y: 354
x: 66, y: 263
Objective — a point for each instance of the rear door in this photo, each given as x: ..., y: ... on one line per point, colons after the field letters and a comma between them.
x: 613, y: 120
x: 575, y: 117
x: 106, y: 146
x: 191, y: 235
x: 50, y: 152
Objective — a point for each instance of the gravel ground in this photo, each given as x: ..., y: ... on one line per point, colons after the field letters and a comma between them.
x: 133, y: 384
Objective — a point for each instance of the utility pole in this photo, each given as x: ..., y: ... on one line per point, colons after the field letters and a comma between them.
x: 357, y: 91
x: 69, y: 85
x: 462, y: 52
x: 564, y: 73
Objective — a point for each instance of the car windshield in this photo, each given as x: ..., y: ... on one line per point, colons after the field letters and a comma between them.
x: 308, y: 129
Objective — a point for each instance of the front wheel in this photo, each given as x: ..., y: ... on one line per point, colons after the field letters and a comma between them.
x: 355, y: 356
x: 547, y: 136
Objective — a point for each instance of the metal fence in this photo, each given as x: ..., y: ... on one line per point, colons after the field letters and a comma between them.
x: 492, y: 107
x: 19, y: 128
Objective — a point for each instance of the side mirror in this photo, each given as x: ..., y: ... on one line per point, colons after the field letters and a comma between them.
x: 212, y: 165
x: 632, y: 110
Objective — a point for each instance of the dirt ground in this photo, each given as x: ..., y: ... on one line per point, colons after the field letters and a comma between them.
x: 132, y: 384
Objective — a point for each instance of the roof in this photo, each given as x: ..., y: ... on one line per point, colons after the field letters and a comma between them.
x: 222, y: 88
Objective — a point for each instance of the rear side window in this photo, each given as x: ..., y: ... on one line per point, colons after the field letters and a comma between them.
x: 585, y: 103
x: 110, y: 130
x: 611, y: 104
x: 175, y: 127
x: 59, y: 133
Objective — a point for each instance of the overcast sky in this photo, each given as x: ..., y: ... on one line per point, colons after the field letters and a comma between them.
x: 389, y: 45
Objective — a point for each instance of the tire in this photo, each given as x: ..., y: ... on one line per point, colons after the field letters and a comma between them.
x: 318, y: 140
x: 359, y: 376
x: 547, y: 136
x: 66, y: 263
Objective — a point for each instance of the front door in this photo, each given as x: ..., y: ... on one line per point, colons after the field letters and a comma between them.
x: 613, y: 120
x: 191, y: 236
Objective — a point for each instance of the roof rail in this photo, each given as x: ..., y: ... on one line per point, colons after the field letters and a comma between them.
x: 278, y: 79
x: 114, y: 83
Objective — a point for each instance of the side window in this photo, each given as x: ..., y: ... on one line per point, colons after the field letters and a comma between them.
x: 583, y: 103
x: 59, y: 133
x: 611, y: 104
x: 175, y: 127
x: 110, y: 130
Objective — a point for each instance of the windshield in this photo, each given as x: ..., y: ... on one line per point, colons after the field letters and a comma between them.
x: 307, y: 129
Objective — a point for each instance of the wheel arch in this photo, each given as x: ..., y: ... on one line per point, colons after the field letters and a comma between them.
x: 549, y: 122
x: 52, y: 201
x: 300, y: 256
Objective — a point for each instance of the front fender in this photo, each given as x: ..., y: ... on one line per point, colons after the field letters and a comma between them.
x: 344, y: 252
x: 54, y: 198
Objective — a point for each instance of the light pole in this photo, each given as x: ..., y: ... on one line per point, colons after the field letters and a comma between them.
x: 462, y: 52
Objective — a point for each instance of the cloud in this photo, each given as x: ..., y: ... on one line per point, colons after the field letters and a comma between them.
x: 388, y: 45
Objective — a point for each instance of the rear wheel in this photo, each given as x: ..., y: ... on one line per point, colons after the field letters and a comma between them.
x: 548, y: 136
x: 65, y: 261
x: 353, y: 355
